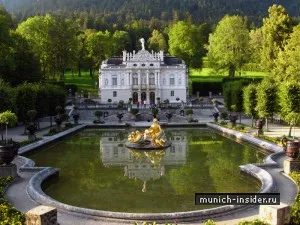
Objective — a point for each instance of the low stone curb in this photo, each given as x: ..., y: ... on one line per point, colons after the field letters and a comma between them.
x: 245, y: 137
x: 267, y: 182
x: 35, y: 192
x: 49, y: 139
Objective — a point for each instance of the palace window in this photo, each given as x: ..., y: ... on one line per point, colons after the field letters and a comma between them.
x: 122, y: 82
x: 172, y: 80
x: 106, y: 82
x: 179, y: 81
x: 135, y: 79
x: 114, y: 94
x: 114, y: 80
x: 172, y: 93
x: 151, y: 79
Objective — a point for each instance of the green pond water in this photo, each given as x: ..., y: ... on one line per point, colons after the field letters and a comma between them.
x: 97, y: 171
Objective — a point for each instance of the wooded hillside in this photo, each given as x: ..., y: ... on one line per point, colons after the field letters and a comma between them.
x: 113, y: 11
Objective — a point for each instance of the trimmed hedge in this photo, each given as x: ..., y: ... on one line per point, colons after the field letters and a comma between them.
x: 205, y: 87
x: 215, y: 87
x: 295, y: 209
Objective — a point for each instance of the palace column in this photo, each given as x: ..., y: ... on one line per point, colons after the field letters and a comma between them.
x: 147, y: 78
x: 130, y: 79
x: 139, y: 85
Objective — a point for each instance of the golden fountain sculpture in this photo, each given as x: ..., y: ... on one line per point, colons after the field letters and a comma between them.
x: 155, y: 133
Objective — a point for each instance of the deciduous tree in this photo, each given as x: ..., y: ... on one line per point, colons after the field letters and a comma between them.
x: 287, y: 67
x: 267, y: 99
x: 289, y: 100
x: 228, y: 47
x: 157, y: 42
x: 276, y: 29
x: 250, y: 102
x: 187, y: 42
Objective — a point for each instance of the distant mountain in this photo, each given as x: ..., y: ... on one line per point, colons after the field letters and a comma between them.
x: 122, y: 10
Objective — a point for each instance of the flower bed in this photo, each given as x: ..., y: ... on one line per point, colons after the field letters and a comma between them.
x: 8, y: 214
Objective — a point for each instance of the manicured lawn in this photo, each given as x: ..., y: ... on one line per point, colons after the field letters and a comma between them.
x: 209, y: 75
x: 85, y: 82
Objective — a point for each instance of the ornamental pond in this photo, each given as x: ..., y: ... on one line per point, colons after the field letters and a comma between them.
x: 97, y: 171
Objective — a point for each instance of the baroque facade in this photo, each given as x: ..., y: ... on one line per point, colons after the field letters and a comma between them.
x: 144, y: 77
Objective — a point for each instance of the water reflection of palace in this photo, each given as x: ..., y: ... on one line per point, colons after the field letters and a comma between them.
x: 142, y: 165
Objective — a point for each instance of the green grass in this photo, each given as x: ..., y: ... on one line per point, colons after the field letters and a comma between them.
x: 84, y: 83
x: 209, y: 75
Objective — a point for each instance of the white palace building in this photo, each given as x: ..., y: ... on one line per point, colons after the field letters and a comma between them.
x: 144, y: 77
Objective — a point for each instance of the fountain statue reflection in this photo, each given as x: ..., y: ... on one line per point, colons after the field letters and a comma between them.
x: 145, y: 166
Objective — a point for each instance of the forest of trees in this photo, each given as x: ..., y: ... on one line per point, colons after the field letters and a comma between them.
x: 103, y: 14
x: 45, y: 46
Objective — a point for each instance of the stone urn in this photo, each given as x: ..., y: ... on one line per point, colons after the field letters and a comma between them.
x: 32, y: 128
x: 8, y: 152
x: 216, y: 116
x: 233, y: 119
x: 169, y: 116
x: 120, y: 116
x: 76, y: 117
x: 291, y: 148
x: 259, y: 125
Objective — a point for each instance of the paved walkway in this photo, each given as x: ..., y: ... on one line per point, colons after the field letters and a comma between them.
x: 17, y: 194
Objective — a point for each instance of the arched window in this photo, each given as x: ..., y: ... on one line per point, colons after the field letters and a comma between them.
x: 135, y: 97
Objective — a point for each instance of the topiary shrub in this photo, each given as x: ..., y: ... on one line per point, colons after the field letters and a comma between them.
x: 224, y: 116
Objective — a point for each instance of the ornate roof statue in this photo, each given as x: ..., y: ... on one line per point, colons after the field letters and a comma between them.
x: 142, y: 40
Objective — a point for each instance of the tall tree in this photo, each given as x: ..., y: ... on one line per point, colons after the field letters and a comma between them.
x: 255, y: 43
x: 250, y: 101
x: 63, y: 42
x: 228, y: 47
x: 6, y: 51
x: 120, y: 41
x: 36, y: 31
x: 99, y: 48
x: 267, y: 99
x: 157, y: 42
x: 289, y: 100
x: 53, y: 40
x: 26, y: 64
x: 275, y: 30
x: 187, y: 42
x: 287, y: 63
